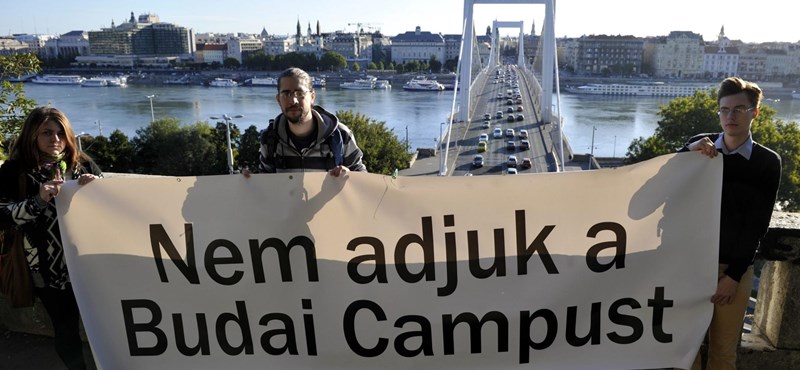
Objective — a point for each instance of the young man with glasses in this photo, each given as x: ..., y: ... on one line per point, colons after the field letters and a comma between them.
x: 750, y: 179
x: 306, y: 137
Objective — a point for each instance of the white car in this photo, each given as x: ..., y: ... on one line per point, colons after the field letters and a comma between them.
x: 497, y: 133
x: 483, y: 137
x: 510, y: 132
x: 523, y: 134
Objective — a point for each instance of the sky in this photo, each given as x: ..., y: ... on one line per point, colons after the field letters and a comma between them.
x: 745, y: 20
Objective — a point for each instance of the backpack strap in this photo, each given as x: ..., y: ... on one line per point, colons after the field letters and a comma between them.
x: 336, y: 144
x: 270, y: 140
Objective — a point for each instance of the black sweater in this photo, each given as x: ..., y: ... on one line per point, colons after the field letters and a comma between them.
x: 749, y: 190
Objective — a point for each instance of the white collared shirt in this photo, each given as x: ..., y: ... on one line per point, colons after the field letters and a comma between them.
x: 745, y: 150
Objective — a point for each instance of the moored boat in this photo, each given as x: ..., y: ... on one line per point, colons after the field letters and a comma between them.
x: 95, y: 82
x: 650, y: 89
x: 795, y: 94
x: 261, y: 81
x: 223, y: 82
x: 367, y: 83
x: 59, y: 80
x: 421, y: 83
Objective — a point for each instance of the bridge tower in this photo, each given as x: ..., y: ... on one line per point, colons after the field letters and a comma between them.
x: 548, y: 54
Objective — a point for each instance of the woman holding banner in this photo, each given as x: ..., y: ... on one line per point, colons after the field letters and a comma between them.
x: 42, y: 157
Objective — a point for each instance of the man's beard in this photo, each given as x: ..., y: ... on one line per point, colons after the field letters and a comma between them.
x: 300, y: 114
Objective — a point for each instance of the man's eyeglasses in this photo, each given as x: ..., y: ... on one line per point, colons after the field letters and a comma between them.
x: 298, y: 94
x: 736, y: 111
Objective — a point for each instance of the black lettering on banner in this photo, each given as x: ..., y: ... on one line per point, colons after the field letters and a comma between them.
x: 627, y: 320
x: 424, y: 334
x: 159, y: 237
x: 620, y: 243
x: 131, y: 327
x: 283, y: 250
x: 240, y: 321
x: 475, y: 325
x: 308, y: 321
x: 211, y: 262
x: 202, y: 345
x: 524, y: 251
x: 287, y: 331
x: 350, y: 331
x: 378, y: 260
x: 526, y: 342
x: 451, y: 258
x: 498, y: 266
x: 659, y: 303
x: 426, y: 243
x: 594, y: 326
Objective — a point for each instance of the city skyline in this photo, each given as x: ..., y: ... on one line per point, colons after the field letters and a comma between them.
x: 574, y: 18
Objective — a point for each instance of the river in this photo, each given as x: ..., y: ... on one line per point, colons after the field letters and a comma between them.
x: 618, y: 120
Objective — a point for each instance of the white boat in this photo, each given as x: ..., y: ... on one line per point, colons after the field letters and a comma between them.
x: 112, y: 81
x: 223, y: 82
x: 367, y: 83
x: 261, y: 81
x: 183, y: 80
x: 650, y: 89
x: 59, y: 80
x: 95, y: 82
x: 420, y: 83
x: 383, y: 84
x: 315, y: 82
x: 23, y: 78
x: 795, y: 94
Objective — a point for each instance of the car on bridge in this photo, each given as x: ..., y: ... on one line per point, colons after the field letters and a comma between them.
x: 524, y: 145
x: 511, y: 171
x: 526, y: 163
x: 486, y: 124
x: 477, y: 161
x: 499, y: 114
x: 483, y: 137
x: 487, y: 115
x: 519, y: 108
x: 510, y: 118
x: 510, y: 132
x: 511, y: 146
x: 520, y: 117
x: 510, y: 110
x: 482, y: 146
x: 497, y: 133
x: 512, y: 161
x: 523, y: 134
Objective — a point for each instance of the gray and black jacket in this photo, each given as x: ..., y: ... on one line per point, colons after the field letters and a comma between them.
x: 278, y: 154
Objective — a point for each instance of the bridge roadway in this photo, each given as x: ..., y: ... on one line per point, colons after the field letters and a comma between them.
x: 493, y: 98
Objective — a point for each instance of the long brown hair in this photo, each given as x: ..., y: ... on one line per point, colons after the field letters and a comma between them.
x: 25, y: 147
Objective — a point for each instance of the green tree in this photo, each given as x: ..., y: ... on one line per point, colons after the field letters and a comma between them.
x: 14, y: 106
x: 685, y: 117
x: 372, y: 65
x: 356, y: 67
x: 231, y: 63
x: 435, y: 65
x: 121, y: 153
x: 332, y: 61
x: 383, y: 151
x: 249, y: 148
x: 165, y: 148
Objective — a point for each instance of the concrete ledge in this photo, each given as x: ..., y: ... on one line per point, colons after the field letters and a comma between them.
x: 756, y: 353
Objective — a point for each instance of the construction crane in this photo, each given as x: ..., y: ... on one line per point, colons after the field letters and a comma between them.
x: 361, y: 25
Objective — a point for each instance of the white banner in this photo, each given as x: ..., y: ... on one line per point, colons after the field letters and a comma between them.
x: 609, y: 269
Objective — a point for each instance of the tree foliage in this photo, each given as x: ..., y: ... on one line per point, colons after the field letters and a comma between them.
x: 685, y: 117
x: 14, y: 106
x: 383, y: 151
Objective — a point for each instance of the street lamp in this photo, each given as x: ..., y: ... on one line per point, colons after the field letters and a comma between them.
x: 152, y: 114
x: 79, y: 136
x: 228, y: 119
x: 591, y: 149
